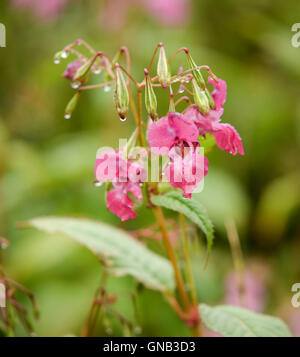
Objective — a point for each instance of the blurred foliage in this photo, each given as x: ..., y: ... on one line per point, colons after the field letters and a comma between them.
x: 46, y: 162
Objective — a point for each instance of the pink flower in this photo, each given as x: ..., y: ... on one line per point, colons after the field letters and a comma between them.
x: 169, y: 131
x: 219, y: 93
x: 43, y: 9
x: 228, y: 139
x: 177, y: 136
x: 119, y: 203
x: 125, y: 177
x: 226, y: 136
x: 71, y: 69
x: 187, y: 170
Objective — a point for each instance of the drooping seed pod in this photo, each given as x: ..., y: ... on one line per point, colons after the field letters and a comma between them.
x: 163, y: 71
x: 197, y: 74
x: 83, y: 71
x: 200, y: 98
x: 210, y: 99
x: 71, y: 105
x: 150, y: 97
x: 121, y: 96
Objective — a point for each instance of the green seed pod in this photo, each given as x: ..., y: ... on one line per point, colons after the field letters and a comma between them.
x: 121, y: 96
x: 71, y: 105
x: 197, y: 74
x: 83, y: 71
x: 200, y: 98
x: 163, y: 72
x: 210, y: 99
x: 150, y: 98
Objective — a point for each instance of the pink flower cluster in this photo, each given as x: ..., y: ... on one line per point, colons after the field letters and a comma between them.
x: 125, y: 177
x: 175, y: 135
x: 227, y: 138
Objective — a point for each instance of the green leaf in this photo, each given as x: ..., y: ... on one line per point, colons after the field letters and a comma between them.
x: 233, y: 321
x: 190, y: 208
x: 122, y: 253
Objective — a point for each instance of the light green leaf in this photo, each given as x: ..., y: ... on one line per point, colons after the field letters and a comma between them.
x: 122, y: 253
x: 191, y: 208
x: 233, y: 321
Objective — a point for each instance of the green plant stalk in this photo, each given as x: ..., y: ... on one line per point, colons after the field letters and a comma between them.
x: 141, y: 134
x: 190, y: 277
x: 171, y: 254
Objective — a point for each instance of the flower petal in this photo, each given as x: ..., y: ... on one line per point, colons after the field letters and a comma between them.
x: 228, y: 139
x: 219, y: 93
x: 120, y: 204
x: 161, y: 136
x: 71, y: 69
x: 184, y: 128
x: 186, y: 173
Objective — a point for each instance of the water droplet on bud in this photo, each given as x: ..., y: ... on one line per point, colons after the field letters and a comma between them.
x: 75, y: 85
x: 64, y: 54
x: 123, y: 119
x: 97, y: 71
x: 67, y: 116
x: 98, y: 184
x: 180, y: 90
x: 56, y: 60
x: 106, y: 89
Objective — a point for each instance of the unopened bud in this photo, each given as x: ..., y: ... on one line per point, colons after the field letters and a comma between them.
x: 57, y: 57
x: 197, y: 74
x: 200, y: 98
x: 83, y: 71
x: 150, y: 97
x: 121, y: 96
x: 163, y: 72
x: 71, y: 105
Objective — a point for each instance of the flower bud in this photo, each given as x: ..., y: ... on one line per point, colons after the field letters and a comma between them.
x: 71, y: 69
x: 197, y: 74
x: 200, y: 98
x: 121, y: 96
x: 83, y: 71
x: 71, y: 105
x: 150, y: 97
x: 163, y: 72
x: 57, y: 57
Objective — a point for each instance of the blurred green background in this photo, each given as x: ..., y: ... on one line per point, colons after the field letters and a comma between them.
x: 46, y: 162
